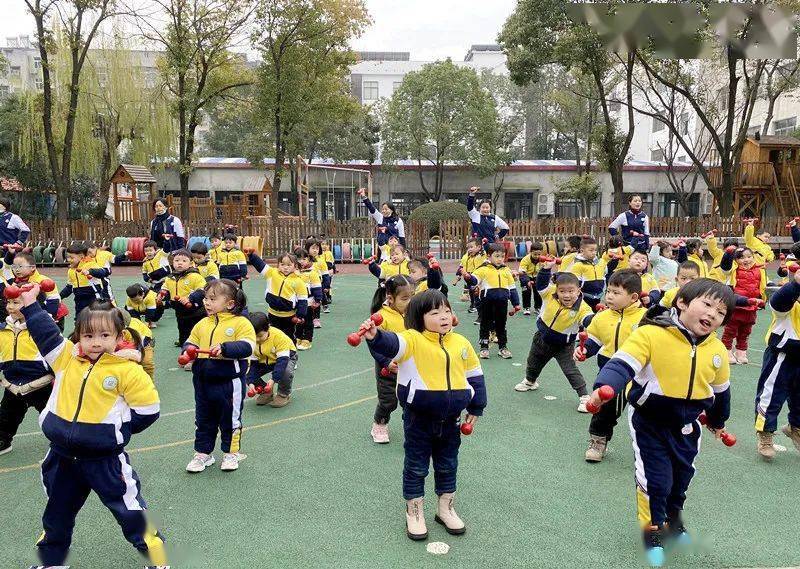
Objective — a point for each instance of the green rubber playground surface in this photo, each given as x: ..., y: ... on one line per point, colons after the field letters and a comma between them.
x: 316, y: 492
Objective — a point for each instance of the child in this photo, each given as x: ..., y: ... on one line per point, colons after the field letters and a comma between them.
x: 497, y: 287
x: 472, y: 259
x: 562, y: 316
x: 219, y: 377
x: 528, y: 267
x: 749, y: 280
x: 650, y: 292
x: 396, y: 265
x: 391, y: 301
x: 590, y: 271
x: 143, y: 304
x: 327, y: 279
x: 321, y: 266
x: 138, y: 334
x: 25, y: 271
x: 758, y: 244
x: 607, y: 331
x: 208, y: 269
x: 687, y: 272
x: 779, y: 381
x: 216, y: 247
x: 678, y: 370
x: 386, y: 249
x: 155, y: 267
x: 313, y: 281
x: 232, y: 262
x: 274, y: 353
x: 665, y: 267
x: 425, y: 277
x: 85, y: 278
x: 183, y: 292
x: 570, y: 246
x: 27, y: 378
x: 103, y: 257
x: 286, y: 295
x: 619, y: 252
x: 438, y: 377
x: 693, y: 251
x: 98, y: 402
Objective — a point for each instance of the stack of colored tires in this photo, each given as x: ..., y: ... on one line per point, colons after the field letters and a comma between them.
x: 136, y: 247
x: 119, y: 245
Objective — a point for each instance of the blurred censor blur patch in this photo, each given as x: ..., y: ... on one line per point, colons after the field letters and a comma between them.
x: 693, y: 31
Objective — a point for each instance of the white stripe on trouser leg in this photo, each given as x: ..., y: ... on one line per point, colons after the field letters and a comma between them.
x: 41, y: 474
x: 131, y: 492
x: 641, y: 479
x: 236, y: 414
x: 769, y: 385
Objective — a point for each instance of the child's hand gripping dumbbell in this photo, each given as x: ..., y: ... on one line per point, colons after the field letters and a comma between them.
x: 580, y: 352
x: 191, y: 352
x: 728, y: 439
x: 14, y: 291
x: 354, y: 339
x: 599, y: 397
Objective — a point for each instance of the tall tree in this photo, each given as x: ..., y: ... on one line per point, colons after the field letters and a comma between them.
x: 441, y: 114
x: 306, y: 54
x: 198, y: 66
x: 80, y: 21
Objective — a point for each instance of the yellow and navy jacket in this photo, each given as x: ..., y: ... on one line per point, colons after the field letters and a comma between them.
x: 592, y: 275
x: 208, y: 270
x: 330, y: 260
x: 669, y: 297
x: 675, y: 375
x: 104, y: 258
x: 21, y: 361
x: 529, y: 266
x: 147, y: 307
x: 155, y: 270
x: 96, y: 405
x: 232, y: 264
x: 213, y: 253
x: 145, y: 334
x: 271, y: 355
x: 495, y: 283
x: 651, y: 288
x: 87, y: 288
x: 286, y: 295
x: 609, y: 329
x: 624, y: 252
x: 567, y: 260
x: 784, y: 330
x: 558, y: 324
x: 313, y: 281
x: 237, y: 338
x: 469, y: 263
x: 321, y: 265
x: 388, y: 269
x: 438, y: 375
x: 52, y: 299
x: 186, y: 284
x: 762, y: 251
x: 393, y: 321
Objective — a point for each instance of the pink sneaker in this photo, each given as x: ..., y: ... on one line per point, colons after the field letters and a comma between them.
x: 317, y: 323
x: 380, y: 433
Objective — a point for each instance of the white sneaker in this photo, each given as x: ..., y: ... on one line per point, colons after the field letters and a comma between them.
x: 200, y: 462
x: 380, y: 433
x: 230, y: 462
x: 582, y: 404
x: 526, y: 312
x: 326, y: 309
x: 526, y: 385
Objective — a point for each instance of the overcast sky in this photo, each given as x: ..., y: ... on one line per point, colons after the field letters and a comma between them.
x: 429, y: 29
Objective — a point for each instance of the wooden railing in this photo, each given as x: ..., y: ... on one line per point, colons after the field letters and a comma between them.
x: 746, y: 175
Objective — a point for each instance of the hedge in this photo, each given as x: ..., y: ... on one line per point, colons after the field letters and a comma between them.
x: 434, y: 212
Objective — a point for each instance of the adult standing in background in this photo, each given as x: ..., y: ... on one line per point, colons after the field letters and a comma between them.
x: 633, y: 225
x: 165, y: 229
x: 13, y: 231
x: 389, y: 224
x: 486, y: 226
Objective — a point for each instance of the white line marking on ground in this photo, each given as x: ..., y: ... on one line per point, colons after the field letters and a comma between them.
x: 185, y: 411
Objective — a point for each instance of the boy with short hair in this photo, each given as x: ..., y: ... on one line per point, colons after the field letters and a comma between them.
x: 232, y: 262
x: 563, y: 315
x: 528, y: 268
x: 85, y: 278
x: 216, y: 247
x: 25, y: 271
x: 650, y: 292
x: 590, y: 271
x: 472, y: 259
x: 208, y: 269
x: 184, y: 291
x: 155, y: 267
x: 687, y: 272
x: 143, y: 304
x: 607, y: 331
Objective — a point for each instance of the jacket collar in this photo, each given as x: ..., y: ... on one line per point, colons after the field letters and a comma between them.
x: 434, y: 336
x: 12, y: 324
x: 670, y: 318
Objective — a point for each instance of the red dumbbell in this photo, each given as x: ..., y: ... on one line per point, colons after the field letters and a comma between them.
x: 678, y: 244
x: 434, y: 264
x: 636, y: 234
x: 430, y: 256
x: 455, y: 320
x: 749, y: 220
x: 711, y: 233
x: 514, y: 310
x: 466, y: 429
x: 484, y: 241
x: 757, y: 302
x: 599, y: 307
x: 167, y: 236
x: 792, y: 268
x: 14, y: 291
x: 548, y: 259
x: 645, y: 299
x: 728, y: 439
x: 368, y: 261
x: 606, y: 393
x: 795, y: 220
x: 582, y: 338
x: 354, y: 339
x: 730, y: 249
x: 190, y: 354
x: 385, y: 372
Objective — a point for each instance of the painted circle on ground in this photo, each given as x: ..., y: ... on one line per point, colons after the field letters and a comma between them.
x: 437, y: 548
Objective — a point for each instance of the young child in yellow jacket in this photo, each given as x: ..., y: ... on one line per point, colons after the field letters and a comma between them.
x: 207, y: 268
x: 286, y: 294
x: 274, y: 353
x: 528, y: 269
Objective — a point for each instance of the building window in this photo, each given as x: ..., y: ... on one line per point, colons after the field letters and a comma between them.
x: 4, y: 91
x: 406, y: 203
x: 657, y: 155
x: 658, y: 125
x: 722, y: 97
x: 396, y: 86
x: 680, y: 159
x: 519, y: 205
x: 684, y: 124
x: 39, y: 84
x: 15, y: 72
x: 614, y: 106
x: 370, y: 90
x: 669, y: 206
x: 785, y: 127
x: 574, y: 208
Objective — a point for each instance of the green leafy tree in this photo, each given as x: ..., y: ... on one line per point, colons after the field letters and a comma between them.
x: 583, y: 188
x: 441, y: 114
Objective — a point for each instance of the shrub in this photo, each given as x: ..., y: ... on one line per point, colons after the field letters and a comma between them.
x: 434, y: 212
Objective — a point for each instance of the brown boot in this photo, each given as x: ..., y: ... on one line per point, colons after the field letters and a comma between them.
x: 280, y: 400
x: 766, y: 449
x: 264, y: 398
x: 794, y: 434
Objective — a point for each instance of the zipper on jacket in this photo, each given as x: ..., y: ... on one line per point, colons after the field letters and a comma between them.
x: 616, y: 333
x: 214, y: 329
x: 80, y: 395
x: 691, y: 374
x: 16, y: 337
x: 556, y: 316
x: 447, y: 371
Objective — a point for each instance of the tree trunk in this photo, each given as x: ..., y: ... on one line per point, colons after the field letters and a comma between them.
x: 439, y: 181
x: 725, y: 195
x: 616, y: 172
x: 280, y: 158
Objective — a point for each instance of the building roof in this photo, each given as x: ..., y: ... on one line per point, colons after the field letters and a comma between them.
x: 774, y: 140
x: 138, y: 173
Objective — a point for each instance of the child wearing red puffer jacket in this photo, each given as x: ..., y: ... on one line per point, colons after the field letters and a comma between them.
x: 748, y: 279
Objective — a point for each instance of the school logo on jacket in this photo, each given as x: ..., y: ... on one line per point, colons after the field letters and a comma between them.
x: 229, y: 332
x: 110, y: 383
x: 464, y: 354
x: 717, y: 361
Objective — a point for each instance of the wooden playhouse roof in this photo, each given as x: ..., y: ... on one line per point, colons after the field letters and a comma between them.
x: 773, y: 140
x: 134, y: 173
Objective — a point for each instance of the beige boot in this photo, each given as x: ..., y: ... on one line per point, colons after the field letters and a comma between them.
x: 794, y: 434
x: 264, y: 398
x: 447, y: 516
x: 766, y: 449
x: 597, y: 449
x: 415, y: 520
x: 280, y: 400
x: 732, y: 358
x: 741, y: 355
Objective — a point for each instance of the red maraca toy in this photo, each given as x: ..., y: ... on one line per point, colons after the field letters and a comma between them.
x: 711, y: 233
x: 514, y: 310
x: 354, y: 339
x: 792, y: 268
x: 757, y: 302
x: 190, y: 354
x: 368, y: 261
x: 645, y: 299
x: 728, y: 439
x: 599, y: 307
x: 582, y: 338
x: 606, y: 393
x: 14, y: 291
x: 466, y: 429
